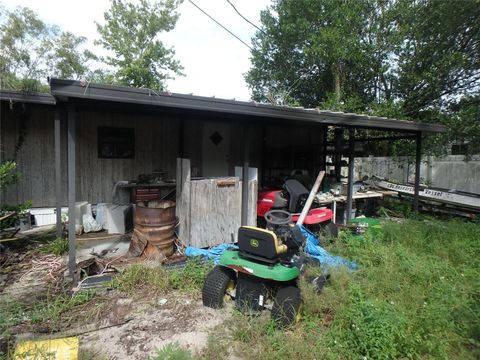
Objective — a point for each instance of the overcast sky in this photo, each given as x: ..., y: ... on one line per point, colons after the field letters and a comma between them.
x: 214, y: 61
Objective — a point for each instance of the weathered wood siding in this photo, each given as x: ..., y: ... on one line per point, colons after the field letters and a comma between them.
x: 215, y: 211
x: 156, y: 147
x: 29, y: 129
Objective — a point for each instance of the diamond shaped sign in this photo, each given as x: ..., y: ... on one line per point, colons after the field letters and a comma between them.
x: 216, y: 138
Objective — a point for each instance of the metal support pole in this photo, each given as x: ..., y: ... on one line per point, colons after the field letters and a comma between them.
x: 324, y: 149
x: 351, y: 167
x: 58, y: 172
x: 246, y: 156
x: 71, y: 192
x: 418, y: 158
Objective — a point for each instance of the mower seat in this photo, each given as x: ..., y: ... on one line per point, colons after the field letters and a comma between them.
x: 259, y: 244
x: 296, y: 190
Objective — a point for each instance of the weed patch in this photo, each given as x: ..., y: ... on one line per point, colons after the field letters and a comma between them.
x: 46, y: 311
x: 58, y: 247
x: 172, y: 351
x: 157, y: 279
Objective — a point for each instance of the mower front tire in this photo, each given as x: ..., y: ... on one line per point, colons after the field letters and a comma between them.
x: 216, y: 285
x: 286, y: 306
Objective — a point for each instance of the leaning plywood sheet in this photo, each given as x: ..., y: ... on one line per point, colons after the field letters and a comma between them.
x: 215, y: 210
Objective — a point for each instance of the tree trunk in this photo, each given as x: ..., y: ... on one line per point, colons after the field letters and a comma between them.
x: 337, y: 73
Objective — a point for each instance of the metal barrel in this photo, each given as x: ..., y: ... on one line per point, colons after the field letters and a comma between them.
x: 155, y: 222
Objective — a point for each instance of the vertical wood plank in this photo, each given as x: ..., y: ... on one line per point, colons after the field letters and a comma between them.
x: 183, y: 200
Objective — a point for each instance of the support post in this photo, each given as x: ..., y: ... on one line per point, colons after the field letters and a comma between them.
x: 71, y: 192
x: 58, y: 172
x: 351, y: 167
x: 418, y: 158
x: 246, y: 156
x: 323, y: 165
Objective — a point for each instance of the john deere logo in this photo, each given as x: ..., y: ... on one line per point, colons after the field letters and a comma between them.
x: 254, y: 243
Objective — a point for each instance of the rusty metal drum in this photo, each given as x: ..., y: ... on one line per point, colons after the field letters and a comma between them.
x: 155, y: 224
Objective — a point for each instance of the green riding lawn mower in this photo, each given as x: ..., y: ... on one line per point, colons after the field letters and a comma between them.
x: 263, y: 273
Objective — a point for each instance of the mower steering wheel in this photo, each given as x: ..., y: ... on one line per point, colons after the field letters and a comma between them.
x: 278, y: 217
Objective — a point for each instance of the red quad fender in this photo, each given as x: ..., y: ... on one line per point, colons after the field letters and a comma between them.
x: 315, y: 216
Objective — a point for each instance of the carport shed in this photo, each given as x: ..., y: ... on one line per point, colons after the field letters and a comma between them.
x: 168, y: 126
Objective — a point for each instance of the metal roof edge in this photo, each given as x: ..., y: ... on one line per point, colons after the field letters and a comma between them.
x: 85, y: 90
x: 27, y: 97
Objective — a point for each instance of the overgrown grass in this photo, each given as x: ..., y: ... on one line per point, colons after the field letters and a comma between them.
x: 157, y: 279
x: 416, y: 295
x: 172, y: 351
x: 58, y: 247
x: 46, y: 311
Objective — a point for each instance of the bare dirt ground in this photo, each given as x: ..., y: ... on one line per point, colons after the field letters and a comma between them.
x: 110, y: 326
x: 151, y: 325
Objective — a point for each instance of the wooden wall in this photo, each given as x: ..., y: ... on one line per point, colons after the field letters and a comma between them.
x: 29, y: 129
x: 156, y: 147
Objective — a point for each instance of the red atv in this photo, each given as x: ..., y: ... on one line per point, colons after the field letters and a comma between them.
x: 292, y: 199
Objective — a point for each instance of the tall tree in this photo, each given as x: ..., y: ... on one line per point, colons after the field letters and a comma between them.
x: 131, y: 32
x: 320, y: 49
x: 415, y: 59
x: 31, y: 50
x: 440, y: 56
x: 67, y: 60
x: 24, y: 43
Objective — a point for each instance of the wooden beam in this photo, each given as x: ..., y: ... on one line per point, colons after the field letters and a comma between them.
x: 58, y: 171
x: 71, y: 192
x: 183, y: 200
x: 351, y: 167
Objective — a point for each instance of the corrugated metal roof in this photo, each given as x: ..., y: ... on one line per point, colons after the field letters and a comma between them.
x: 27, y: 97
x: 64, y: 89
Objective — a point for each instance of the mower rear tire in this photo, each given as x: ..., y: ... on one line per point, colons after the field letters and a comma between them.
x: 215, y: 286
x: 286, y: 306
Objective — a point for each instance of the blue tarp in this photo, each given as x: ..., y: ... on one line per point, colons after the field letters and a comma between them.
x: 312, y: 248
x: 210, y: 254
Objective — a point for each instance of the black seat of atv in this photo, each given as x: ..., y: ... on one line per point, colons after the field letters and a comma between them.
x: 296, y: 191
x: 259, y: 244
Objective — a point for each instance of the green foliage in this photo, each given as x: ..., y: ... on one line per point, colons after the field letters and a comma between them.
x: 172, y: 351
x: 191, y: 278
x: 397, y: 58
x: 141, y: 277
x: 415, y: 295
x: 8, y: 174
x: 24, y: 44
x: 58, y: 246
x: 47, y: 310
x: 131, y: 33
x: 157, y: 279
x: 54, y: 306
x: 31, y: 50
x: 67, y: 60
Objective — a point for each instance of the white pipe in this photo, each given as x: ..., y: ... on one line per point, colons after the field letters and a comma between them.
x: 311, y: 196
